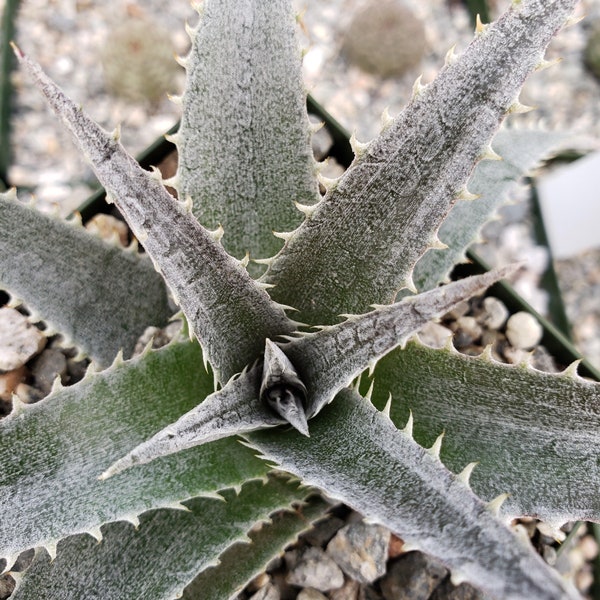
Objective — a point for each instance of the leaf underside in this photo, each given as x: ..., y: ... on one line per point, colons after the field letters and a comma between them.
x: 100, y: 296
x: 534, y: 434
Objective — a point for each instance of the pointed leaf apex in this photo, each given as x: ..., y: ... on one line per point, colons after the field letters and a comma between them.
x: 465, y: 194
x: 465, y: 475
x: 450, y: 57
x: 244, y: 261
x: 369, y: 394
x: 388, y: 406
x: 217, y: 234
x: 479, y: 26
x: 283, y: 235
x: 306, y: 209
x: 116, y: 133
x: 494, y: 505
x: 386, y: 119
x: 175, y: 99
x: 18, y: 406
x: 490, y: 154
x: 573, y: 20
x: 437, y: 446
x: 358, y: 148
x: 408, y: 428
x: 418, y: 87
x: 327, y: 182
x: 546, y: 64
x: 51, y: 550
x: 516, y: 108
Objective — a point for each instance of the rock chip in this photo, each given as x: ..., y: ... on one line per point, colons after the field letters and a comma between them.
x: 447, y: 591
x: 412, y: 576
x: 19, y: 339
x: 349, y: 591
x: 313, y: 568
x: 310, y: 594
x: 49, y: 365
x: 361, y: 550
x: 267, y: 592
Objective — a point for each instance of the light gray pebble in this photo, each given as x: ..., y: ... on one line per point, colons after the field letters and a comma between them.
x: 412, y: 576
x: 311, y: 567
x: 267, y: 592
x: 494, y: 313
x: 310, y: 594
x: 361, y: 550
x: 523, y: 331
x: 19, y: 339
x: 49, y: 365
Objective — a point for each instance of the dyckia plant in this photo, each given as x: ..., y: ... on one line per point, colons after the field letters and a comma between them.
x: 286, y: 327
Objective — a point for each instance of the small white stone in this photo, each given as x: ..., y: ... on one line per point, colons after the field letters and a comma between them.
x: 523, y: 331
x: 19, y: 339
x: 434, y: 335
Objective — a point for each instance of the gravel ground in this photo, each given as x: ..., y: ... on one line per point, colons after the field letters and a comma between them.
x: 68, y: 37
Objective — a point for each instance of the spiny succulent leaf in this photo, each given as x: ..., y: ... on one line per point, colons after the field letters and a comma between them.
x: 330, y: 359
x: 228, y: 312
x: 54, y: 451
x: 361, y: 243
x: 98, y: 294
x: 358, y: 456
x: 244, y: 144
x: 492, y: 181
x: 534, y: 435
x: 243, y: 562
x: 234, y: 409
x: 190, y: 541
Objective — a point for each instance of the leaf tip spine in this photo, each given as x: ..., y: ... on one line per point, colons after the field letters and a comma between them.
x: 437, y: 446
x: 386, y: 119
x: 517, y: 108
x: 480, y: 27
x: 450, y: 57
x: 465, y: 475
x: 358, y: 148
x: 388, y: 406
x: 494, y: 505
x: 465, y: 194
x: 408, y: 428
x: 418, y: 87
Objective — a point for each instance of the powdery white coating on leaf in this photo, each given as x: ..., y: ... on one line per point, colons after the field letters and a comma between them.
x: 100, y: 295
x: 59, y: 447
x: 244, y: 144
x: 533, y: 434
x: 358, y: 456
x: 363, y: 240
x: 228, y: 312
x: 118, y: 567
x: 234, y: 409
x: 329, y: 360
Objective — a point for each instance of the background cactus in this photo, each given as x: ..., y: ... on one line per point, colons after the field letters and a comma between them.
x: 67, y: 476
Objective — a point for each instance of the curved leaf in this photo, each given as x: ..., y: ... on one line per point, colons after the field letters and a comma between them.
x: 244, y: 144
x: 535, y: 435
x: 54, y: 451
x: 358, y: 456
x: 181, y: 543
x: 360, y: 244
x: 227, y: 310
x: 100, y: 296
